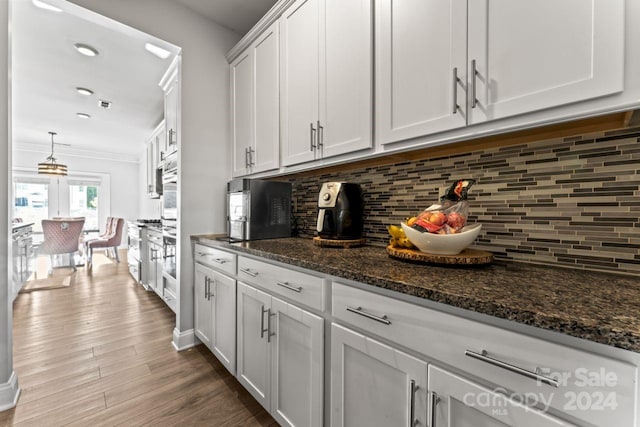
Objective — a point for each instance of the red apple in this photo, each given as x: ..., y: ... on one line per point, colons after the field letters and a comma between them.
x: 456, y: 220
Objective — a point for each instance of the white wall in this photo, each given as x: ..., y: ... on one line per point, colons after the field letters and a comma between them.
x: 8, y: 381
x: 123, y: 179
x: 204, y: 133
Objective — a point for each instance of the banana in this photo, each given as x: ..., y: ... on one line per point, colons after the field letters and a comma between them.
x: 398, y: 238
x: 396, y: 231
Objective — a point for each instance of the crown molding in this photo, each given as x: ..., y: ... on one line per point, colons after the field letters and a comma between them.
x: 265, y: 22
x: 31, y: 147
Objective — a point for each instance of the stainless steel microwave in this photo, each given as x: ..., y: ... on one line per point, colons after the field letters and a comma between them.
x: 258, y: 209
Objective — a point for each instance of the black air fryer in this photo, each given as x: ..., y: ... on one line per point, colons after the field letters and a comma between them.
x: 340, y: 211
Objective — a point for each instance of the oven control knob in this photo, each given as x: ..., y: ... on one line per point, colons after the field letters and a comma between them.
x: 326, y: 197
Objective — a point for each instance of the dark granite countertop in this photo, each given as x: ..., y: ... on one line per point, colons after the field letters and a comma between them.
x: 599, y: 307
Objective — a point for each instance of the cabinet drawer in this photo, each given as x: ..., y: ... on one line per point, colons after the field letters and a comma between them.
x: 590, y: 387
x: 301, y: 287
x: 216, y: 258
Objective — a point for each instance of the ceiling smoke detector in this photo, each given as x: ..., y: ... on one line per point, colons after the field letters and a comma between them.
x: 104, y: 104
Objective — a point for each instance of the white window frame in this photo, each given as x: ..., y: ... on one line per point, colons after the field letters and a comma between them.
x: 59, y: 190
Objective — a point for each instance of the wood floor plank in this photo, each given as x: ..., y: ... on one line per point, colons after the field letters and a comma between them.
x: 99, y: 353
x: 49, y: 415
x: 59, y: 385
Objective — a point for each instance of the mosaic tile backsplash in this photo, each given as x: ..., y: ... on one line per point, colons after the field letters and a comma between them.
x: 569, y: 202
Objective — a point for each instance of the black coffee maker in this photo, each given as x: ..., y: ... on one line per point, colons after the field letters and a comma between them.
x: 340, y: 211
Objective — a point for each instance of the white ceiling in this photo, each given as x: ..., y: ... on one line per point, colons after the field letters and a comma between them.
x: 46, y: 69
x: 237, y: 15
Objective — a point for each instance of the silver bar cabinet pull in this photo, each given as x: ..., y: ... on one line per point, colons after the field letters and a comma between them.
x: 251, y: 150
x: 288, y: 286
x: 412, y: 403
x: 220, y: 260
x: 512, y: 368
x: 320, y: 135
x: 269, y: 333
x: 455, y: 90
x: 474, y: 73
x: 249, y: 272
x: 211, y: 293
x: 433, y: 402
x: 361, y: 312
x: 262, y: 329
x: 206, y: 283
x: 312, y: 136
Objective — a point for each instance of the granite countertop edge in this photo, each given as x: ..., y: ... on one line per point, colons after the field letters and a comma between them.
x: 581, y: 327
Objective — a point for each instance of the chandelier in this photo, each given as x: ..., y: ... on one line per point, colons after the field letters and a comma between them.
x: 49, y: 166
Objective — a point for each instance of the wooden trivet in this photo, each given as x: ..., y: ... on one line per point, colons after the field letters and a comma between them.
x: 466, y: 257
x: 329, y: 243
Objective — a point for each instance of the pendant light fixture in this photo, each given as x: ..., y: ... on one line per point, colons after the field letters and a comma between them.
x: 49, y: 166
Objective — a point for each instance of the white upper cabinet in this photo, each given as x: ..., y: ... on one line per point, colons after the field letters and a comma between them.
x: 255, y: 106
x: 299, y: 81
x: 266, y: 150
x: 345, y: 77
x: 241, y: 111
x: 421, y: 67
x: 326, y: 48
x: 530, y: 56
x: 442, y: 65
x: 170, y: 84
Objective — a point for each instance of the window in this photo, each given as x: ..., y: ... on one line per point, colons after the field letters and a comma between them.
x: 38, y: 197
x: 83, y: 201
x: 31, y: 201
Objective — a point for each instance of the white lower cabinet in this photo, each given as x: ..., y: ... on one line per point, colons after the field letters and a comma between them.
x: 458, y: 402
x: 571, y: 384
x: 154, y: 261
x: 202, y: 305
x: 280, y: 357
x: 393, y: 362
x: 373, y: 384
x: 215, y: 315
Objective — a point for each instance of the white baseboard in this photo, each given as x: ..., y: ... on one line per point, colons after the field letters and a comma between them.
x: 183, y: 340
x: 9, y: 392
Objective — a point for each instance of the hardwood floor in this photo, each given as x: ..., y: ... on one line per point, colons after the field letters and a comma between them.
x: 99, y: 353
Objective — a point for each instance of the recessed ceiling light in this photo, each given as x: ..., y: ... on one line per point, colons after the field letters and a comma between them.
x: 83, y: 115
x: 46, y: 6
x: 85, y: 49
x: 157, y: 51
x: 84, y: 91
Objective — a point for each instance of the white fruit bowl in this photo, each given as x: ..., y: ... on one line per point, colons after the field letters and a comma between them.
x: 442, y: 244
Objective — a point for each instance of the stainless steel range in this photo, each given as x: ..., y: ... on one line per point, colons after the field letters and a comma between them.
x: 137, y: 247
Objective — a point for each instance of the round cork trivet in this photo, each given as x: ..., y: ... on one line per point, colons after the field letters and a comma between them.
x: 466, y: 257
x: 329, y: 243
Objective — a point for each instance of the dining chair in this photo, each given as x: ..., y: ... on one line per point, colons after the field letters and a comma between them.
x: 111, y: 239
x: 61, y: 236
